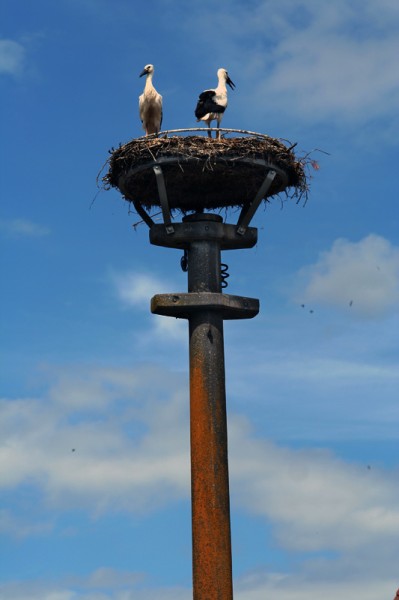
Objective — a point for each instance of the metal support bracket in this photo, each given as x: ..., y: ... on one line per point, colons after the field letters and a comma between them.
x: 248, y: 212
x: 163, y: 198
x: 184, y: 305
x: 143, y: 214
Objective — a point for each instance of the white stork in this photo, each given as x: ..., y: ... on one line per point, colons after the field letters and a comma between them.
x: 212, y: 103
x: 150, y: 104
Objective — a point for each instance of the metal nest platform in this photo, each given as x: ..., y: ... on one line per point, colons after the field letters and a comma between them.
x: 195, y: 173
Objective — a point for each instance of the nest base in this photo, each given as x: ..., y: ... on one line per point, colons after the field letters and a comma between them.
x: 202, y: 173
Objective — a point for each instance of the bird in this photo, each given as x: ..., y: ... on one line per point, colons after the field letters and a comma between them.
x: 150, y: 104
x: 212, y: 103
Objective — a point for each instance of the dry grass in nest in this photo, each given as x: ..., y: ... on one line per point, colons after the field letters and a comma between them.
x: 203, y: 173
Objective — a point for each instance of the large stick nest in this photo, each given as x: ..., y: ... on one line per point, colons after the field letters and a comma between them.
x: 203, y: 173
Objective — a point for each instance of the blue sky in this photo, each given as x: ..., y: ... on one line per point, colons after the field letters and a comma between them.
x: 312, y: 391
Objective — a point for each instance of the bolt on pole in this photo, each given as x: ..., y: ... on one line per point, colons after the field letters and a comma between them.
x: 203, y: 236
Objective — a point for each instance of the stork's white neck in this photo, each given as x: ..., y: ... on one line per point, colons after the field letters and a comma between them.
x: 148, y: 80
x: 221, y: 83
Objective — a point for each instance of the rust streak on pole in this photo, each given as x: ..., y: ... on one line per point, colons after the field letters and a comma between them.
x: 212, y: 565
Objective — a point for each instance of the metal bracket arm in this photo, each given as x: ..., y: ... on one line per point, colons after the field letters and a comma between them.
x: 163, y: 198
x: 248, y: 212
x: 143, y: 214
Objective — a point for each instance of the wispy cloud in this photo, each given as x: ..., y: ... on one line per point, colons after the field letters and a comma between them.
x: 321, y: 62
x: 79, y: 451
x: 130, y: 452
x: 330, y: 63
x: 363, y: 275
x: 127, y: 586
x: 255, y: 586
x: 106, y: 578
x: 76, y: 453
x: 310, y: 584
x: 22, y: 228
x: 12, y: 526
x: 136, y: 290
x: 315, y: 501
x: 12, y: 57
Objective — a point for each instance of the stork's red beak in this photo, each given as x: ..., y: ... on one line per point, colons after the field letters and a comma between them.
x: 230, y: 83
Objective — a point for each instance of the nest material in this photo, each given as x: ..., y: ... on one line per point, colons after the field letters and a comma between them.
x: 203, y: 173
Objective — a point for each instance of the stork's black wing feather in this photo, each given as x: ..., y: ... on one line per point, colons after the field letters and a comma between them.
x: 206, y: 104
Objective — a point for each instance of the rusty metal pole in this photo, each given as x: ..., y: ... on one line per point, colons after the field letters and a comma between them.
x: 210, y: 500
x: 203, y: 236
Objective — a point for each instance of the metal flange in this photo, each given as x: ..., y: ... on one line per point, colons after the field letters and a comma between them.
x: 184, y: 305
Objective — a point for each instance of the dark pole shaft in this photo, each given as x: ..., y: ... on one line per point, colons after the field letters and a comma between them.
x: 212, y: 564
x: 203, y: 236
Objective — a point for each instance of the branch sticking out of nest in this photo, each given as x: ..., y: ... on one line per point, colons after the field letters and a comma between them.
x: 202, y: 173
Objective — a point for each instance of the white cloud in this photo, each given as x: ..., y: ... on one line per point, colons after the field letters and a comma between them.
x: 12, y: 57
x: 296, y: 587
x: 324, y: 371
x: 22, y: 228
x: 83, y: 447
x: 106, y: 577
x: 321, y: 61
x: 254, y: 586
x: 10, y: 525
x: 130, y: 452
x: 324, y: 394
x: 33, y: 590
x: 136, y: 290
x: 119, y: 585
x: 330, y: 65
x: 363, y: 275
x: 315, y: 501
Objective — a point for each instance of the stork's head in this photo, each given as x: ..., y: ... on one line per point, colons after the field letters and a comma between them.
x: 223, y: 74
x: 147, y: 70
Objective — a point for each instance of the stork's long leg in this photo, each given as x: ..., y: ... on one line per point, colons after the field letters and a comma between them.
x: 218, y: 132
x: 209, y: 129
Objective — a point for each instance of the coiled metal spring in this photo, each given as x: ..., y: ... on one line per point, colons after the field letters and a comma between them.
x: 224, y: 275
